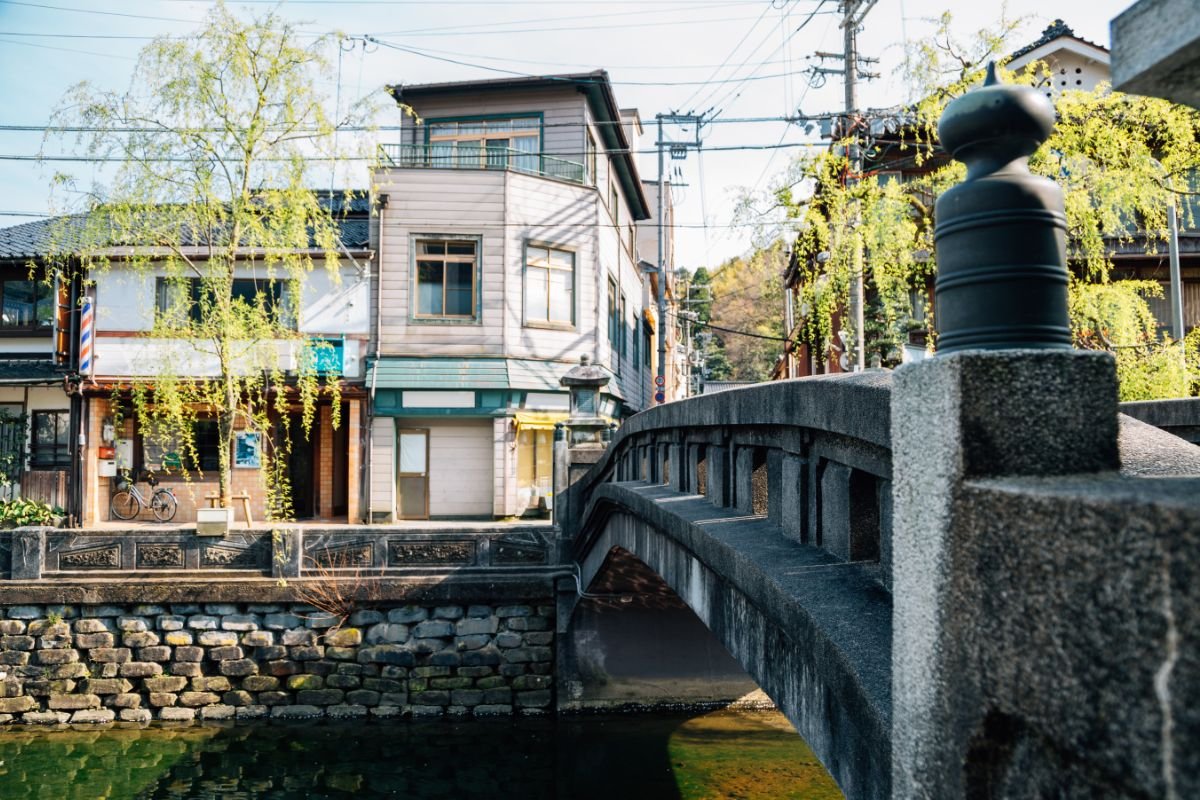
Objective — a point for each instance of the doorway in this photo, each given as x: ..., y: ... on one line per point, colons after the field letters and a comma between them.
x: 301, y: 464
x: 412, y: 473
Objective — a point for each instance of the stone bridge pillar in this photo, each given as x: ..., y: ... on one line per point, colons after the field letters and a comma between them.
x: 1010, y: 398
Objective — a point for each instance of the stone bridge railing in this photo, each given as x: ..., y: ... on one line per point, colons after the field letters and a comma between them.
x: 812, y: 455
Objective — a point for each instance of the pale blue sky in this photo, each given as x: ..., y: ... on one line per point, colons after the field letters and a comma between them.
x: 670, y: 41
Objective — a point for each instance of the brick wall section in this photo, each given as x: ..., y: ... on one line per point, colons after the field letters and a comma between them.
x: 354, y: 461
x: 325, y: 456
x: 97, y: 664
x: 191, y: 494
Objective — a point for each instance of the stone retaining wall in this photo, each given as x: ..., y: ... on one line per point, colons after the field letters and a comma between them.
x: 100, y: 663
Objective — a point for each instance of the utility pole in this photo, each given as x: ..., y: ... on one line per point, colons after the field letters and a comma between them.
x: 853, y: 13
x: 678, y: 151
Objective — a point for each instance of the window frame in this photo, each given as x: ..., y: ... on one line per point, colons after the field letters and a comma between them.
x: 430, y: 139
x: 414, y: 316
x: 621, y: 313
x: 58, y: 460
x: 612, y: 317
x: 591, y: 152
x: 549, y: 323
x: 50, y: 299
x: 287, y: 318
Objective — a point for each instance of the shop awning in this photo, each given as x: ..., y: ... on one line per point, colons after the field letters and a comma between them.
x: 410, y: 372
x: 538, y: 420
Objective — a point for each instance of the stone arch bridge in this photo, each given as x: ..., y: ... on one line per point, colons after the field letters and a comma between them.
x: 951, y: 581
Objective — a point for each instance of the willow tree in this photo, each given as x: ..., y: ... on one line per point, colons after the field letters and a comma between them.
x: 215, y: 142
x: 1121, y: 160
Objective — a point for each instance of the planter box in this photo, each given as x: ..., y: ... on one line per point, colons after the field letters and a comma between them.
x: 213, y: 521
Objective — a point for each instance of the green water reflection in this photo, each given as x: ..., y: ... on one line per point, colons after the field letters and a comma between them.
x: 719, y: 755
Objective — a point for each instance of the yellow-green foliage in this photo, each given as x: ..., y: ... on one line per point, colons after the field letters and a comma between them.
x: 1120, y: 160
x: 217, y: 137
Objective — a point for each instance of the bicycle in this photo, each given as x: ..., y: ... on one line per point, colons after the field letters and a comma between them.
x: 128, y: 502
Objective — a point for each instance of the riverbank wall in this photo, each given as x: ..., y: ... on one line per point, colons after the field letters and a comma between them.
x: 137, y: 662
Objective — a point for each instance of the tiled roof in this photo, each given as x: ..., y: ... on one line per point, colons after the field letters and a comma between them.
x: 33, y: 239
x: 1055, y: 30
x: 30, y: 370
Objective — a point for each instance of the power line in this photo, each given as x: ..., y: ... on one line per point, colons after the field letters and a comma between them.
x: 66, y: 49
x: 325, y: 159
x: 104, y: 13
x: 345, y: 128
x: 733, y: 331
x: 721, y: 66
x: 573, y: 81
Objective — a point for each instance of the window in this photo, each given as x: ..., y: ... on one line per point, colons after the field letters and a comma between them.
x: 614, y: 200
x: 445, y: 278
x: 50, y: 446
x: 549, y: 285
x: 614, y: 321
x: 26, y: 305
x: 179, y: 300
x: 621, y: 345
x: 164, y: 452
x: 632, y: 239
x: 648, y: 345
x: 590, y: 152
x: 486, y: 143
x: 637, y: 341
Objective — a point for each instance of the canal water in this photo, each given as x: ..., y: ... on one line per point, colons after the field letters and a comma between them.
x: 724, y: 754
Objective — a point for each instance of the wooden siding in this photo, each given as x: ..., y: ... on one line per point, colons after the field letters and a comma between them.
x: 382, y: 480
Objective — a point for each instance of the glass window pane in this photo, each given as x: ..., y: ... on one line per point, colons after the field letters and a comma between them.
x: 429, y: 287
x: 535, y: 294
x: 412, y: 452
x: 460, y: 248
x: 562, y: 258
x: 526, y: 124
x: 20, y: 301
x: 431, y: 248
x: 562, y: 295
x: 536, y: 256
x: 443, y: 128
x: 459, y: 290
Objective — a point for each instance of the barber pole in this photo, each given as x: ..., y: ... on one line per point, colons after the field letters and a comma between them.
x: 86, y: 322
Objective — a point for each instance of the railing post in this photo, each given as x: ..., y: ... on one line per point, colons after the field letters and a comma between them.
x: 28, y: 553
x: 718, y: 475
x: 743, y: 479
x: 792, y: 496
x: 1026, y: 405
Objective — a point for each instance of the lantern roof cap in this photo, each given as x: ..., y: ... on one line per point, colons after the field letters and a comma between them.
x: 586, y: 374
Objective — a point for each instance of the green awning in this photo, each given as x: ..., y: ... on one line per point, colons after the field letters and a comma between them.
x: 410, y: 372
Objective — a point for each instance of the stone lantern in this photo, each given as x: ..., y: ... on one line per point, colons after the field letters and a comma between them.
x: 584, y: 382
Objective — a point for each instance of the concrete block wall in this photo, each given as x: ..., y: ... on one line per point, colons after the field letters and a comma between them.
x: 213, y: 661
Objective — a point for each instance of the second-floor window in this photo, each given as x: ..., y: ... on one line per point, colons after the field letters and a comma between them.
x: 49, y: 447
x: 486, y: 143
x: 180, y: 301
x: 621, y: 327
x: 614, y: 319
x: 445, y: 279
x: 26, y: 305
x: 549, y: 286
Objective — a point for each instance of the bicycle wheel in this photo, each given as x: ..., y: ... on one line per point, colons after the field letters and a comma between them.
x: 163, y: 505
x: 124, y: 505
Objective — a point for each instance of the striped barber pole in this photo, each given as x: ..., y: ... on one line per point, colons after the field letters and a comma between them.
x: 86, y: 323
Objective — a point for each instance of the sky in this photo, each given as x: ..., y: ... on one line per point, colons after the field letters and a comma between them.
x: 744, y: 62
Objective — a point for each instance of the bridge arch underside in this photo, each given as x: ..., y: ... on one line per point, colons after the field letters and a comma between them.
x: 814, y: 633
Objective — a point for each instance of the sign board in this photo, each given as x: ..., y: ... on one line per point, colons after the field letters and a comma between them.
x: 660, y: 380
x: 660, y: 397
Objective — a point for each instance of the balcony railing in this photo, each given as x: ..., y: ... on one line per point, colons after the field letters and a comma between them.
x: 464, y: 156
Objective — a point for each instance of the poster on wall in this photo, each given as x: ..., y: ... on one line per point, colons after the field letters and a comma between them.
x: 246, y: 450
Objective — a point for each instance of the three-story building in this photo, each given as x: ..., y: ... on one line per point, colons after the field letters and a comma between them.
x: 506, y: 244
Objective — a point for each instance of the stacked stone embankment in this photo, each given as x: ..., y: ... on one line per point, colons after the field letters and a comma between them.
x: 183, y: 662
